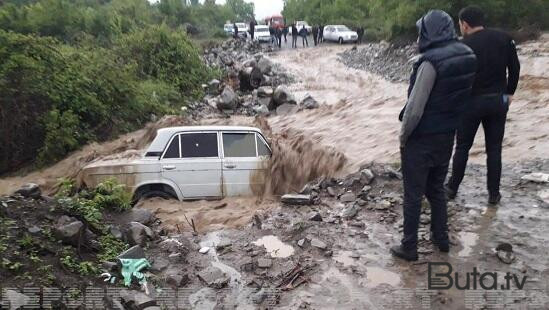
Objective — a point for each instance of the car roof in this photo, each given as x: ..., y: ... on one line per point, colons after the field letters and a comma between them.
x: 165, y: 134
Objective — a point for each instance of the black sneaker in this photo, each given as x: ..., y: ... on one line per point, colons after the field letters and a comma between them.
x: 400, y: 252
x: 494, y: 199
x: 450, y: 193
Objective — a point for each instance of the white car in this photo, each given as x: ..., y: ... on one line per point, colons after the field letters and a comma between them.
x: 340, y: 34
x: 189, y: 163
x: 262, y: 34
x: 228, y: 28
x: 242, y: 29
x: 299, y: 25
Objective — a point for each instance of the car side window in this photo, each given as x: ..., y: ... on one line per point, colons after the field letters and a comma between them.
x: 239, y: 144
x: 262, y: 148
x: 173, y: 149
x: 195, y: 145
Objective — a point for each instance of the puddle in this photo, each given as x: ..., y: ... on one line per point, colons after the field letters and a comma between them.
x: 275, y: 247
x: 377, y: 276
x: 345, y: 258
x: 468, y: 240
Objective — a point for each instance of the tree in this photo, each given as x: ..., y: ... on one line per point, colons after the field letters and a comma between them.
x: 244, y: 11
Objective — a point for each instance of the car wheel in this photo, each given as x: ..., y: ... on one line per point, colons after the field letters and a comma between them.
x: 153, y: 194
x: 340, y: 41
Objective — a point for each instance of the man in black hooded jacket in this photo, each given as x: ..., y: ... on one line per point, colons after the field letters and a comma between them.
x: 440, y: 84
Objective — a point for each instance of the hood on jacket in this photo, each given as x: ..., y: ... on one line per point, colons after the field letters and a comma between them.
x: 435, y: 27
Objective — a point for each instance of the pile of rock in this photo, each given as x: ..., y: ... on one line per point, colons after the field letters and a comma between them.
x: 388, y: 60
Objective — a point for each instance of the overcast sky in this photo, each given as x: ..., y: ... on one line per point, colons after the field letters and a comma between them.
x: 264, y: 7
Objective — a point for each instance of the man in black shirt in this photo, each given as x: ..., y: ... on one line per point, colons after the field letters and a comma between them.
x: 497, y: 76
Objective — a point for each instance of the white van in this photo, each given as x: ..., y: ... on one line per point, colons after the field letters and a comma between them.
x: 192, y: 163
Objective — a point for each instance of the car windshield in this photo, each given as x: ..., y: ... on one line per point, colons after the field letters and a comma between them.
x: 262, y: 29
x: 241, y: 25
x: 342, y: 28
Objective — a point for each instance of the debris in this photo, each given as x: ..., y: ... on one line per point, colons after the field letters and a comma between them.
x: 291, y: 199
x: 177, y: 280
x: 383, y: 205
x: 204, y: 250
x: 30, y: 190
x: 334, y: 192
x: 504, y: 252
x: 366, y: 176
x: 136, y: 300
x: 318, y: 244
x: 301, y: 243
x: 247, y: 264
x: 293, y: 278
x: 351, y: 211
x: 264, y: 262
x: 315, y: 217
x: 138, y: 234
x: 536, y: 177
x: 135, y: 252
x: 160, y: 263
x: 309, y: 102
x: 227, y: 100
x: 347, y: 197
x: 140, y: 215
x: 265, y: 92
x: 214, y: 277
x: 131, y: 268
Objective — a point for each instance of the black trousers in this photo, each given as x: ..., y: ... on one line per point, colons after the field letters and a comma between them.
x: 304, y: 39
x: 294, y: 41
x: 491, y: 112
x: 315, y: 38
x: 425, y: 163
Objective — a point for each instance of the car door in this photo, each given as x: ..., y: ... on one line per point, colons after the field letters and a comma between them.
x: 329, y: 33
x: 244, y: 163
x: 192, y: 161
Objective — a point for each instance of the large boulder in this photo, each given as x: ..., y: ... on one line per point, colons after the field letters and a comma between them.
x: 140, y: 215
x: 265, y: 65
x: 281, y: 96
x: 138, y: 234
x: 309, y: 102
x: 70, y: 233
x: 227, y: 100
x: 265, y: 92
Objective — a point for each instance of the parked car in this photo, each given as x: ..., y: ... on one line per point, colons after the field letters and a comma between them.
x: 242, y: 29
x: 191, y: 163
x: 262, y: 34
x: 301, y: 23
x: 228, y: 28
x: 340, y: 34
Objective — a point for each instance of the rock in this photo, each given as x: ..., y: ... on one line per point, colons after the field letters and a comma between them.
x: 177, y: 244
x: 366, y: 176
x: 544, y: 195
x: 140, y: 215
x: 227, y: 100
x: 259, y: 297
x: 160, y: 263
x: 286, y: 109
x: 116, y: 232
x: 301, y: 243
x: 30, y: 190
x: 425, y: 219
x: 334, y: 192
x: 177, y: 280
x: 250, y: 63
x: 213, y: 87
x: 265, y: 92
x: 136, y: 300
x: 135, y: 252
x: 309, y: 102
x: 504, y: 252
x: 261, y: 109
x: 297, y: 199
x: 213, y: 277
x: 72, y: 233
x: 315, y: 217
x: 204, y: 250
x: 14, y: 299
x: 390, y: 172
x: 383, y: 205
x: 109, y: 266
x: 138, y: 234
x: 265, y: 65
x: 264, y: 263
x: 247, y: 264
x: 34, y: 229
x: 318, y: 244
x: 281, y: 96
x: 351, y: 211
x: 537, y: 177
x: 347, y: 197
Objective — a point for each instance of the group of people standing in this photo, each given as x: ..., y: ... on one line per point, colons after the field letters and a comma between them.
x: 455, y: 87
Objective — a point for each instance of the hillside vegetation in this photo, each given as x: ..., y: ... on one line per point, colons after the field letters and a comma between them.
x: 75, y: 71
x: 389, y: 19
